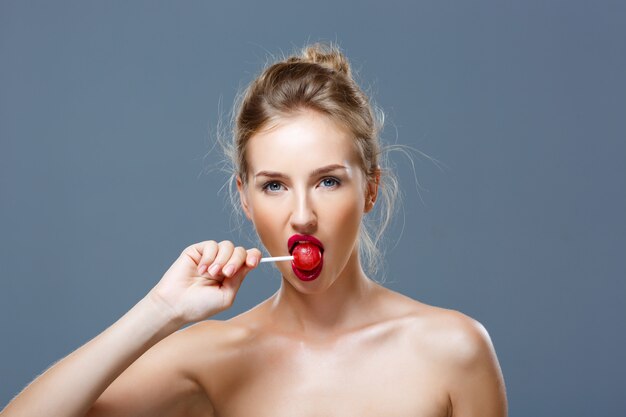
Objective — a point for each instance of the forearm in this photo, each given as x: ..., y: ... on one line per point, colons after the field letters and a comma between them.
x: 72, y: 385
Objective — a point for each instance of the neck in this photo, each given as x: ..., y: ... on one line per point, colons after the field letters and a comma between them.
x: 346, y: 304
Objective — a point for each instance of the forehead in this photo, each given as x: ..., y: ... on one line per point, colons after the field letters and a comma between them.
x: 301, y: 143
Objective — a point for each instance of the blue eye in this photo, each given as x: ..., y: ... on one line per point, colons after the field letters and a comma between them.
x: 272, y: 186
x: 330, y: 182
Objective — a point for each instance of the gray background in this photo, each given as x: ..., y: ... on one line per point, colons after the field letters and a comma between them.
x: 107, y: 111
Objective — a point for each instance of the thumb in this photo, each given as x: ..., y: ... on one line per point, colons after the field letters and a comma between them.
x: 231, y: 285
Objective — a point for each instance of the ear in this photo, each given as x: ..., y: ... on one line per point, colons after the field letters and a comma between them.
x: 242, y: 197
x: 372, y: 190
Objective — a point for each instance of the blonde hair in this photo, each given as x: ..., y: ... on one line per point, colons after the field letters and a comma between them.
x: 318, y: 78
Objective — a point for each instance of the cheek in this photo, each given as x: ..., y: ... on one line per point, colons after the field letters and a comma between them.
x: 268, y: 220
x: 343, y: 219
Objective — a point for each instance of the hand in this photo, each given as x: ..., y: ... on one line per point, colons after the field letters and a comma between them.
x: 204, y: 280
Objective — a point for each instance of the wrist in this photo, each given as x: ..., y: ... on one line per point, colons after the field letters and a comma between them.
x: 160, y: 314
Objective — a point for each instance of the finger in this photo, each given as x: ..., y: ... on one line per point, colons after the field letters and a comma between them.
x: 231, y: 285
x: 209, y: 250
x: 224, y: 252
x: 253, y: 257
x: 237, y: 259
x: 194, y: 252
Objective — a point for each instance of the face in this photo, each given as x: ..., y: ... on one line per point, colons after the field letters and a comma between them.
x: 304, y: 178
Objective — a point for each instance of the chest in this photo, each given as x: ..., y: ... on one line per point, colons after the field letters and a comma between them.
x: 354, y: 378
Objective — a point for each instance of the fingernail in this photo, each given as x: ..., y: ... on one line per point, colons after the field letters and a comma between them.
x: 201, y: 269
x: 228, y: 270
x: 214, y: 269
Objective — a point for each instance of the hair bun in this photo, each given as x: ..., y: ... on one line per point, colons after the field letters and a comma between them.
x: 327, y: 55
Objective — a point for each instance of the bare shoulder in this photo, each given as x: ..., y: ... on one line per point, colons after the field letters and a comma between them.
x: 214, y: 332
x: 448, y: 334
x: 204, y: 341
x: 167, y: 378
x: 211, y: 346
x: 461, y: 350
x: 457, y: 336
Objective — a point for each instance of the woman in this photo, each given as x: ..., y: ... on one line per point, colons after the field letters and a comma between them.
x: 330, y: 341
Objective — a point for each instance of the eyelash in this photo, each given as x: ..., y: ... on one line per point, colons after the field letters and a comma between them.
x: 266, y: 187
x: 337, y: 182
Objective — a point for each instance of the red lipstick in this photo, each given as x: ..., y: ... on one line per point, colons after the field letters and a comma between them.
x: 300, y: 273
x: 293, y: 240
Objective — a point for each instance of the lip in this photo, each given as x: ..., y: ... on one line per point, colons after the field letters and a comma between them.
x: 308, y: 275
x: 291, y: 243
x: 305, y: 275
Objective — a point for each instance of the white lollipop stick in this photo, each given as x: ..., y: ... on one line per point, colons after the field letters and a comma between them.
x: 277, y: 259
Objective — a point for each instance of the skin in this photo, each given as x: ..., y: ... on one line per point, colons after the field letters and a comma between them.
x: 339, y: 345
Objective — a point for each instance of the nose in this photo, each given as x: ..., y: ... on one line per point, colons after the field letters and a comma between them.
x: 303, y: 216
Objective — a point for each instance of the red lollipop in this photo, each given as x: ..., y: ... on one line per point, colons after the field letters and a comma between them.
x: 307, y: 256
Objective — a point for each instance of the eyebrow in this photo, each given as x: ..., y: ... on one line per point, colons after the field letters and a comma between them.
x: 314, y: 173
